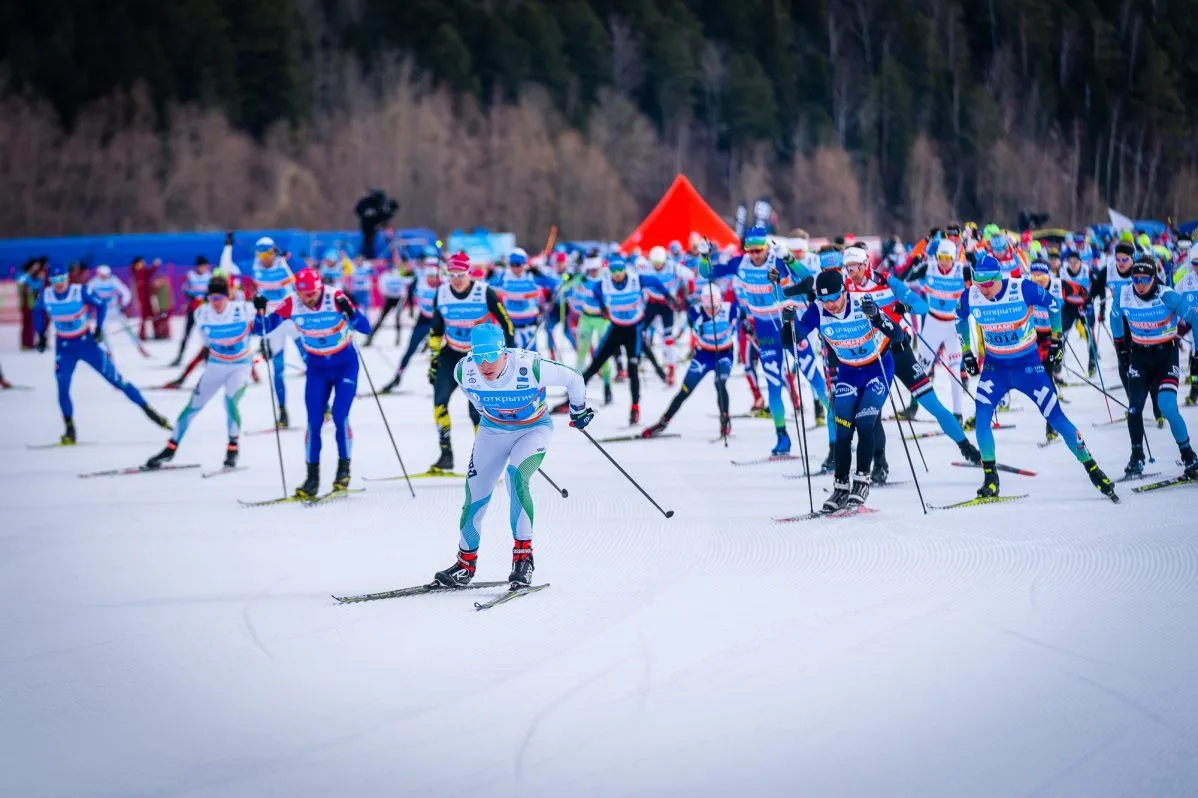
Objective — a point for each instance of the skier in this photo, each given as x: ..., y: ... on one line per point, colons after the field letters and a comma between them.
x: 1077, y: 290
x: 195, y: 288
x: 225, y: 326
x: 1151, y: 312
x: 395, y: 286
x: 326, y: 320
x: 273, y: 282
x: 582, y: 295
x: 1002, y: 308
x: 713, y: 323
x: 861, y: 334
x: 660, y: 307
x: 941, y: 285
x: 621, y: 298
x: 522, y: 289
x: 359, y: 283
x: 423, y: 300
x: 462, y: 304
x: 67, y: 306
x: 761, y: 308
x: 1185, y: 282
x: 507, y: 389
x: 895, y: 299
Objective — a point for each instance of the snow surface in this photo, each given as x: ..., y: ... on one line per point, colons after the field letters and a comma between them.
x: 160, y: 640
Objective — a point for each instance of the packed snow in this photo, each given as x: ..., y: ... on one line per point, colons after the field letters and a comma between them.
x: 158, y: 639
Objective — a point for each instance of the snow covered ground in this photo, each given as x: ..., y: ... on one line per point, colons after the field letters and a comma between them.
x: 157, y: 639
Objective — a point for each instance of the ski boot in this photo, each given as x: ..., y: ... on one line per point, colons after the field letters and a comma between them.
x: 1092, y: 369
x: 165, y: 456
x: 960, y: 419
x: 881, y: 470
x: 908, y: 414
x: 1192, y: 396
x: 1160, y: 422
x: 607, y: 397
x: 1190, y: 461
x: 68, y: 437
x: 1135, y: 466
x: 838, y: 499
x: 445, y: 463
x: 156, y: 417
x: 460, y: 573
x: 759, y: 410
x: 1101, y: 481
x: 821, y: 419
x: 989, y: 487
x: 1050, y: 434
x: 395, y: 381
x: 656, y: 429
x: 970, y: 423
x: 725, y: 425
x: 341, y: 480
x: 622, y: 375
x: 860, y: 491
x: 970, y: 452
x: 283, y: 422
x: 829, y: 464
x: 634, y: 415
x: 670, y: 375
x: 311, y: 487
x: 522, y: 565
x: 782, y: 447
x: 231, y: 454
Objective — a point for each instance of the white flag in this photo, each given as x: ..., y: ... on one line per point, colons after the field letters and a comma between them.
x: 1119, y: 221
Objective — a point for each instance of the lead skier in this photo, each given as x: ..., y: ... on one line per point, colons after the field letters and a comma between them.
x: 507, y: 388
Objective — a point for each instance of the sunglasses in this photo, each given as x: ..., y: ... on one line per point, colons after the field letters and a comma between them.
x: 491, y: 356
x: 1123, y: 259
x: 829, y: 297
x: 754, y: 250
x: 212, y: 297
x: 987, y: 279
x: 1143, y: 279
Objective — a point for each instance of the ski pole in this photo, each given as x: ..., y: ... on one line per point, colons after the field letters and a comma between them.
x: 565, y: 493
x: 914, y: 437
x: 719, y: 410
x: 635, y: 484
x: 910, y: 462
x: 270, y: 388
x: 942, y: 361
x: 1082, y: 377
x: 386, y: 424
x: 796, y: 398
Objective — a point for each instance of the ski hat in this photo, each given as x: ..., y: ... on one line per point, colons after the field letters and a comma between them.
x: 946, y: 249
x: 103, y: 270
x: 487, y: 343
x: 517, y: 257
x: 710, y: 301
x: 1143, y: 265
x: 57, y: 273
x: 755, y: 238
x: 331, y: 256
x: 616, y: 262
x: 986, y: 269
x: 829, y: 285
x: 831, y: 259
x: 458, y: 263
x: 1124, y: 248
x: 218, y: 285
x: 657, y: 256
x: 307, y: 280
x: 855, y: 256
x: 676, y: 249
x: 264, y: 244
x: 1039, y: 267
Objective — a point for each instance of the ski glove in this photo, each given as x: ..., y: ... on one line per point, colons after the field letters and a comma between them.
x: 432, y: 370
x: 41, y: 343
x: 344, y: 305
x: 98, y: 335
x: 869, y: 307
x: 260, y: 303
x: 970, y: 363
x: 1056, y: 354
x: 580, y: 418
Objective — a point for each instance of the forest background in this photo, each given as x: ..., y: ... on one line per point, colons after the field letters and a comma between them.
x: 850, y: 115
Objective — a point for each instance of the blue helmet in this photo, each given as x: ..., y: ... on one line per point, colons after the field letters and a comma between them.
x: 517, y: 257
x: 264, y: 244
x: 331, y: 255
x: 756, y: 237
x: 986, y: 268
x: 616, y: 262
x: 487, y: 343
x: 58, y: 273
